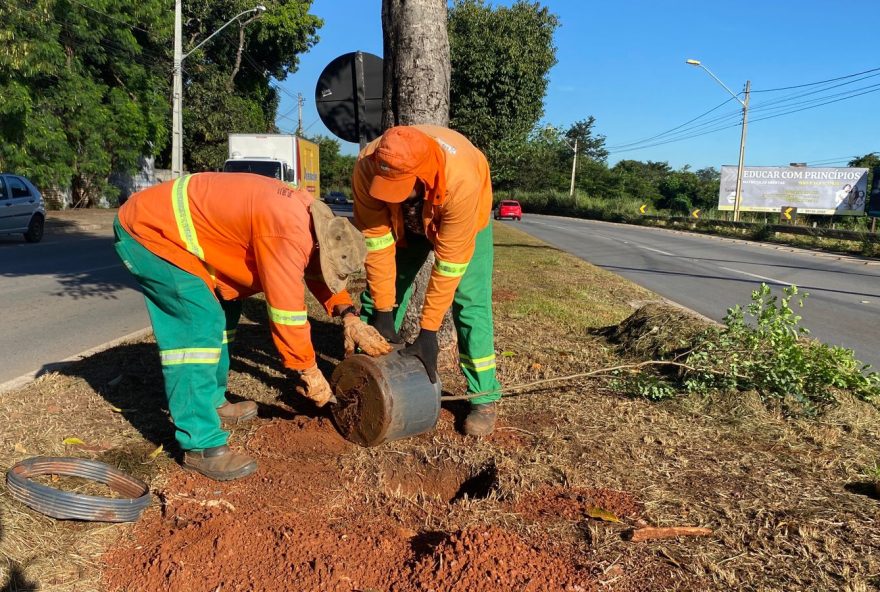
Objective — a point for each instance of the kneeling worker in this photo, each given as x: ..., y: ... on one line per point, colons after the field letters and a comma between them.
x: 424, y: 187
x: 201, y: 244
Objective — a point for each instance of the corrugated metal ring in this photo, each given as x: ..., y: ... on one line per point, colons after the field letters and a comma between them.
x: 67, y: 505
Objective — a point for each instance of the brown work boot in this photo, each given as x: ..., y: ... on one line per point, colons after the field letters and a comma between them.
x: 219, y: 463
x: 234, y: 413
x: 481, y: 420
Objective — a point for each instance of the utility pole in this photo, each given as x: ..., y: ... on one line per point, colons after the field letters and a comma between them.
x: 742, y: 152
x: 742, y: 142
x: 573, y: 168
x: 299, y: 102
x: 177, y: 95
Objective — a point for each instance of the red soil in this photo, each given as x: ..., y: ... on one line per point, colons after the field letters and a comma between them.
x: 297, y: 525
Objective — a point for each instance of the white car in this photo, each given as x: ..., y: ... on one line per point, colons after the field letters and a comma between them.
x: 22, y: 210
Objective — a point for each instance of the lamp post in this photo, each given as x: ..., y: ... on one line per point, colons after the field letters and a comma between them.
x: 177, y: 92
x: 742, y: 141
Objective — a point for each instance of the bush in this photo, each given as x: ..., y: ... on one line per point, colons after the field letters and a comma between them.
x: 763, y: 347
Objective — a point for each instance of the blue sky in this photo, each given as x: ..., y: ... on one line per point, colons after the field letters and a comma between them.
x: 624, y: 63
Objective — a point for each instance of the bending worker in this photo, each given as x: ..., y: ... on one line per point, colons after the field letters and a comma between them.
x: 418, y: 188
x: 201, y: 244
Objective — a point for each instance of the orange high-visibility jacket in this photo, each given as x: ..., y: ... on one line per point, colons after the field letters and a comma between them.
x: 451, y: 226
x: 242, y: 234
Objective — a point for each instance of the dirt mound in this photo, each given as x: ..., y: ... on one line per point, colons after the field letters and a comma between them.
x: 657, y: 331
x: 492, y: 559
x: 298, y: 524
x: 576, y: 503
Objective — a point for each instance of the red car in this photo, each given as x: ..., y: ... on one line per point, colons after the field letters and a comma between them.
x: 509, y: 208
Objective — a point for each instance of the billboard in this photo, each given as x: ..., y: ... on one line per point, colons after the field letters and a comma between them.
x: 812, y: 190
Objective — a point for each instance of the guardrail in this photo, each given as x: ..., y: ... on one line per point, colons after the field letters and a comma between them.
x: 851, y: 235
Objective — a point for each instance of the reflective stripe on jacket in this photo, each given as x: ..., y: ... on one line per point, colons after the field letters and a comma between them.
x: 242, y: 234
x: 452, y: 226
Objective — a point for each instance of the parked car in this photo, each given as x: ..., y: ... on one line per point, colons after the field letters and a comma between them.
x: 22, y: 209
x: 336, y: 197
x: 508, y: 208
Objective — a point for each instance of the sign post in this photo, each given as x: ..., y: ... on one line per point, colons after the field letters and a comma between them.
x: 348, y: 96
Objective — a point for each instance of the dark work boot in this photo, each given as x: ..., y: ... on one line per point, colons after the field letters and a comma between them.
x: 481, y: 419
x: 219, y: 463
x: 234, y: 413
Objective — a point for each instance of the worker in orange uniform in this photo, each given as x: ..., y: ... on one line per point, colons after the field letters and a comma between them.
x: 201, y: 244
x: 421, y: 188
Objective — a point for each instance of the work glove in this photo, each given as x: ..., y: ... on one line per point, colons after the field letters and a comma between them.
x: 315, y: 387
x: 359, y: 334
x: 425, y: 348
x: 383, y: 321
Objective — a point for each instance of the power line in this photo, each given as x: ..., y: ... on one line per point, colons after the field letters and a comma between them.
x: 106, y: 44
x: 130, y: 26
x: 815, y: 83
x: 792, y: 97
x: 674, y: 128
x: 668, y: 141
x: 814, y: 106
x: 685, y: 130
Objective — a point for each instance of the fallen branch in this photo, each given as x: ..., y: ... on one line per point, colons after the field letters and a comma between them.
x: 593, y: 374
x: 651, y: 533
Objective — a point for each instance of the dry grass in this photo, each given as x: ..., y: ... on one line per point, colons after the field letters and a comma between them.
x: 787, y: 499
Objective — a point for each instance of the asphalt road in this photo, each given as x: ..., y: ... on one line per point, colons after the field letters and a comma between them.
x: 711, y: 274
x: 62, y: 296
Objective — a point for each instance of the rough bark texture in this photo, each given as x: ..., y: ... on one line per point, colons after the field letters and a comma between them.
x: 416, y: 80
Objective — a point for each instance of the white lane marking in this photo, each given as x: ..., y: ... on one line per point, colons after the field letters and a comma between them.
x: 656, y: 250
x: 755, y: 275
x: 668, y: 254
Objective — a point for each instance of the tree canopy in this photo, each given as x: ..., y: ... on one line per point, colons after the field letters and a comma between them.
x: 501, y: 58
x: 85, y: 84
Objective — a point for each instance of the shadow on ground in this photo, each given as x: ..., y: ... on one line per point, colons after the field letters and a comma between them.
x: 129, y: 376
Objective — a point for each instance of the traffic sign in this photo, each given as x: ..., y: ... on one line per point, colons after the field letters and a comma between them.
x: 788, y: 214
x: 349, y: 97
x: 642, y: 209
x: 696, y: 213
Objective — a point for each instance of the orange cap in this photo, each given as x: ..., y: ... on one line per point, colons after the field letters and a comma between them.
x: 404, y: 154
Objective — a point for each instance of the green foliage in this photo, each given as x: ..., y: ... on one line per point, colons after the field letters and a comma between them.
x: 228, y: 84
x: 336, y: 168
x: 85, y: 84
x: 646, y: 386
x: 501, y: 57
x: 763, y: 348
x: 83, y: 90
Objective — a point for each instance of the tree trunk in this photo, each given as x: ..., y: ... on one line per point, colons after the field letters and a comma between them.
x: 416, y: 80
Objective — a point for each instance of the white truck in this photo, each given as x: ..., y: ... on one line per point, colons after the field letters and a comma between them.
x: 280, y: 156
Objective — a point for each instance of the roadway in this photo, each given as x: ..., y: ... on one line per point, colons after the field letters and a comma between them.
x: 62, y: 296
x: 70, y: 293
x: 711, y: 274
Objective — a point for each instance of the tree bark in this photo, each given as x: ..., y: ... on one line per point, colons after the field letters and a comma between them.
x: 416, y: 91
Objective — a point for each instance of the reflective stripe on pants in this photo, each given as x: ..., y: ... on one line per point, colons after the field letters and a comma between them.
x: 188, y: 322
x: 471, y: 310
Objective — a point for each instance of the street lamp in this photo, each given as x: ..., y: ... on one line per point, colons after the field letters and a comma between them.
x: 177, y: 98
x: 742, y: 142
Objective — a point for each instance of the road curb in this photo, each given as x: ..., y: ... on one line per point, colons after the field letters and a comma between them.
x: 29, y: 377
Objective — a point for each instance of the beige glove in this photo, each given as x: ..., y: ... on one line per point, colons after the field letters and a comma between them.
x: 360, y: 334
x: 315, y: 387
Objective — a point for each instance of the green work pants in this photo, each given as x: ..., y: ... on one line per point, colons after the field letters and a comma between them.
x: 471, y: 310
x: 193, y: 330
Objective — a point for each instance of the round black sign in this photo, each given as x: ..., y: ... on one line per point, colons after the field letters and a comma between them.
x: 349, y: 96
